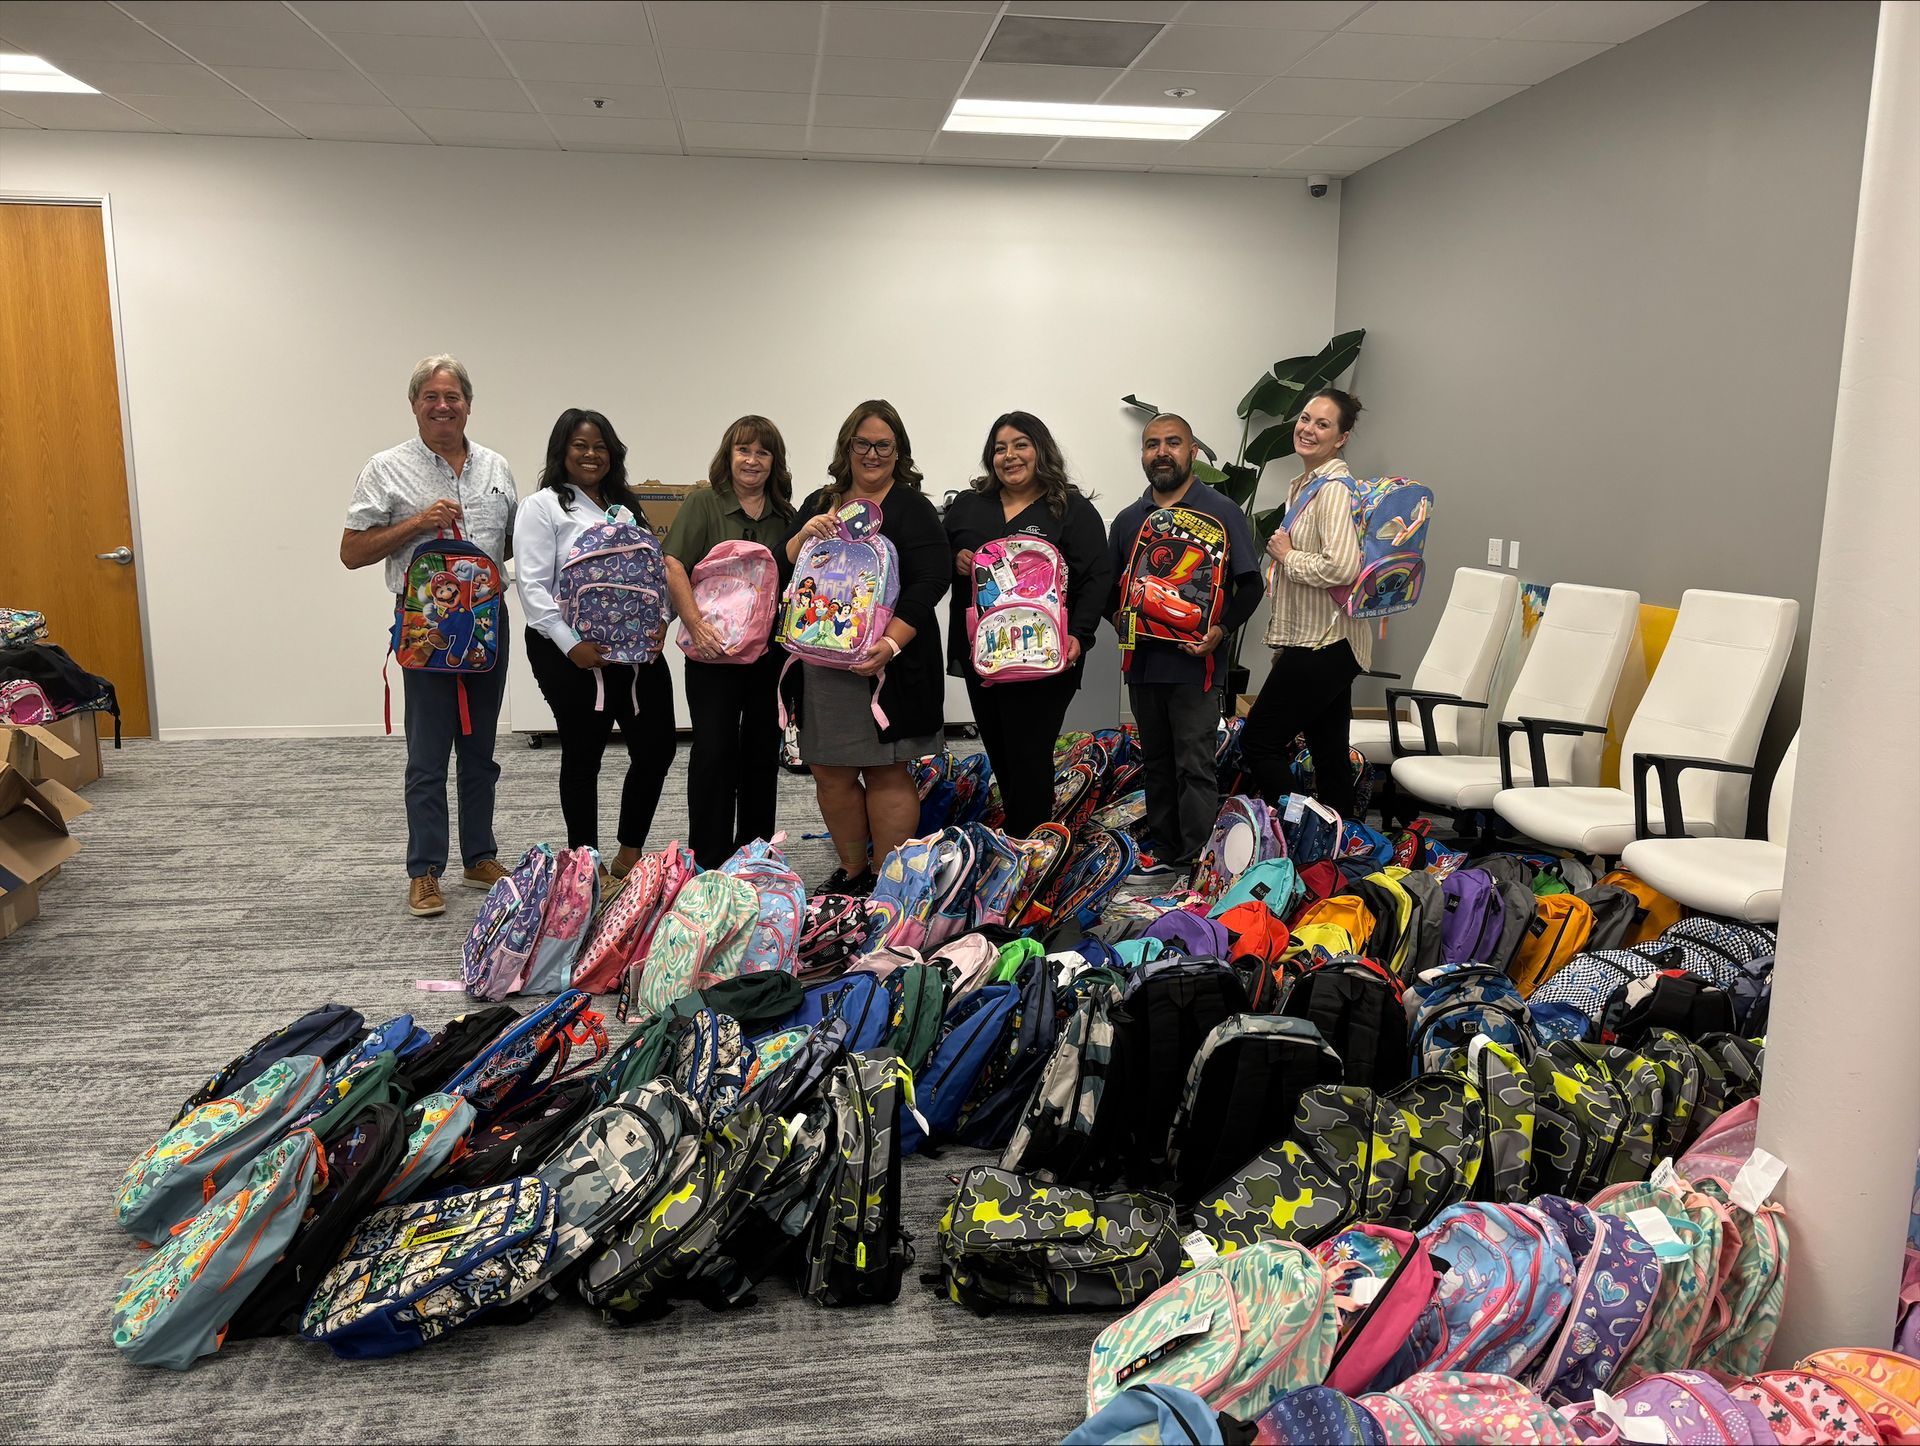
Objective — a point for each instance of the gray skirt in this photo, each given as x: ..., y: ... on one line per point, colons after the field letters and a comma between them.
x: 837, y: 728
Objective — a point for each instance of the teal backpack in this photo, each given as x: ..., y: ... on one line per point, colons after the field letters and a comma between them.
x: 1275, y: 882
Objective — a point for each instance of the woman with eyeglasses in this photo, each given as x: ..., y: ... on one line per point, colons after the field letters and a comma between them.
x: 859, y: 769
x: 585, y: 483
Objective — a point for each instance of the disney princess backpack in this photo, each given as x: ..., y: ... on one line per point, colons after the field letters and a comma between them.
x: 842, y: 595
x: 1017, y: 624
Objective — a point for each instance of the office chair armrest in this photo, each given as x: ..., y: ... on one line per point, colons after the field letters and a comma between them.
x: 1425, y: 702
x: 1379, y: 673
x: 1537, y: 730
x: 1671, y: 766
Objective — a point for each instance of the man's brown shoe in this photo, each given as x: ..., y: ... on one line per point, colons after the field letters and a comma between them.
x: 424, y: 898
x: 483, y: 875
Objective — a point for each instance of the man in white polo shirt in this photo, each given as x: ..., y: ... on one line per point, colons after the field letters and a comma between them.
x: 405, y: 495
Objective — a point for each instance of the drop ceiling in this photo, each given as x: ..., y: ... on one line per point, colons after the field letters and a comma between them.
x: 1308, y: 85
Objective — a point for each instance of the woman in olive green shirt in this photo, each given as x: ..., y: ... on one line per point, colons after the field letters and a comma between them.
x: 733, y: 771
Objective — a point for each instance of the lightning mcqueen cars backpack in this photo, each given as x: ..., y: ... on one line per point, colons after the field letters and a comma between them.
x: 1175, y: 585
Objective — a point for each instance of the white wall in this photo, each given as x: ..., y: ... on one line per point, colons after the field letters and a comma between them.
x: 274, y: 296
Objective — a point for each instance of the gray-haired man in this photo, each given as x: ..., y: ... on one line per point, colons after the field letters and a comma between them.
x: 405, y: 494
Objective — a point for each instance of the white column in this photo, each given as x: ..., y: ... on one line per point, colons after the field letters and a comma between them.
x: 1842, y: 1088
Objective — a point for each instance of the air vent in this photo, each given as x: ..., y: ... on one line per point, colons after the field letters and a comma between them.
x: 1039, y: 40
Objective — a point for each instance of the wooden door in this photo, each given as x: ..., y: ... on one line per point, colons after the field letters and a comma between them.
x: 63, y: 476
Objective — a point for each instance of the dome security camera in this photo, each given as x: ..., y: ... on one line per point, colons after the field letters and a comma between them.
x: 1317, y: 186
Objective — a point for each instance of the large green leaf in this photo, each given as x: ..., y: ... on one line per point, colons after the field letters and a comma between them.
x: 1208, y: 473
x: 1238, y: 483
x: 1139, y: 406
x: 1340, y: 354
x: 1265, y: 397
x: 1275, y: 441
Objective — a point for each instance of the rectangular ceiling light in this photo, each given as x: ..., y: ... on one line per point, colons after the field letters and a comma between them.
x: 1051, y: 118
x: 30, y: 72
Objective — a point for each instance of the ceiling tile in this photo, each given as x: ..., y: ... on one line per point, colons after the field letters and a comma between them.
x: 1237, y: 49
x: 585, y: 64
x: 1337, y: 160
x: 957, y: 145
x: 350, y: 122
x: 164, y: 15
x: 136, y: 77
x: 792, y: 29
x: 331, y: 87
x: 1520, y: 62
x: 199, y: 117
x: 1157, y: 10
x: 1282, y: 14
x: 1302, y: 95
x: 572, y: 22
x: 77, y: 112
x: 1215, y: 90
x: 1109, y: 152
x: 484, y: 128
x: 906, y: 34
x: 759, y: 107
x: 924, y: 79
x: 1482, y: 18
x: 11, y: 122
x: 1378, y: 130
x: 85, y: 30
x: 1263, y: 129
x: 737, y: 70
x: 639, y: 102
x: 602, y: 130
x: 1223, y: 153
x: 1447, y: 101
x: 301, y: 50
x: 864, y: 141
x: 1055, y: 164
x: 864, y: 157
x: 422, y: 54
x: 452, y: 92
x: 1348, y: 56
x: 738, y: 136
x: 616, y: 148
x: 1039, y: 82
x: 985, y: 163
x: 1607, y: 21
x: 1250, y: 172
x: 390, y: 17
x: 882, y: 111
x: 987, y: 5
x: 1045, y: 40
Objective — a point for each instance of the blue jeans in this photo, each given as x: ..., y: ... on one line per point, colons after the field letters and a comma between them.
x: 433, y: 733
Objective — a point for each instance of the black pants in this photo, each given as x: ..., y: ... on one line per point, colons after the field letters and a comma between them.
x: 648, y: 731
x: 1179, y: 727
x: 1018, y: 725
x: 1310, y: 691
x: 733, y: 774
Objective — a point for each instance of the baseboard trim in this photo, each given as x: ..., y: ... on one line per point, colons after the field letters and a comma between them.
x: 301, y: 730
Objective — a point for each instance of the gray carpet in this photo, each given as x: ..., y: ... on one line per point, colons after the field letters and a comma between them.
x: 225, y: 888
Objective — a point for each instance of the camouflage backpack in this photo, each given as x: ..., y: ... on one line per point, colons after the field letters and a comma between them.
x: 1055, y: 1136
x: 1626, y: 1122
x: 763, y: 1237
x: 1508, y: 1114
x: 1012, y: 1239
x: 856, y: 1251
x: 1445, y: 1123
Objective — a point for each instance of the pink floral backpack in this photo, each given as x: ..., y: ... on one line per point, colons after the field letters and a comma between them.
x: 1692, y: 1407
x: 1806, y: 1410
x: 1467, y: 1406
x: 1017, y: 623
x: 625, y: 926
x: 571, y: 901
x: 23, y: 702
x: 737, y: 589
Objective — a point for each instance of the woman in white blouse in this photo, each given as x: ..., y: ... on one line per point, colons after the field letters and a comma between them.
x: 584, y: 483
x: 1317, y: 649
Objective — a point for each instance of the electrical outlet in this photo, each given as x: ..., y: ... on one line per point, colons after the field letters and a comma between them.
x: 1493, y: 552
x: 1513, y: 554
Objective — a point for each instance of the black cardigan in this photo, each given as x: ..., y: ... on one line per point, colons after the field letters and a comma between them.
x: 974, y: 518
x: 914, y: 695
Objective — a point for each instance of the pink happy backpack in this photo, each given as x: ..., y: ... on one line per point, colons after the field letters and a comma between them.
x: 1017, y: 625
x: 736, y: 587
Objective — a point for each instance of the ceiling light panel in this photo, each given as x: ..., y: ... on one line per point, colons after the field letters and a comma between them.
x: 30, y: 72
x: 1044, y: 118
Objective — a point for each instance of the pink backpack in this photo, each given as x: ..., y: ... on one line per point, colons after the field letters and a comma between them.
x: 625, y: 926
x: 1805, y: 1410
x: 1444, y: 1407
x: 1017, y: 624
x: 1383, y: 1281
x: 737, y: 589
x: 842, y: 597
x: 1693, y: 1407
x: 24, y: 702
x: 569, y: 910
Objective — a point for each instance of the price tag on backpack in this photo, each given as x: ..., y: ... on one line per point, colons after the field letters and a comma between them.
x: 1199, y: 1249
x: 1476, y: 1047
x: 1658, y: 1232
x: 1664, y: 1175
x: 1648, y: 1429
x: 1367, y: 1289
x: 1755, y: 1183
x: 1296, y: 805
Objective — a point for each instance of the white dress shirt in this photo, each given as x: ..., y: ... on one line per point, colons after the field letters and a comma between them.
x: 404, y: 481
x: 544, y: 533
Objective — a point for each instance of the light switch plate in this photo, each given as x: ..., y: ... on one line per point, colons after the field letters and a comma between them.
x: 1493, y: 552
x: 1513, y: 553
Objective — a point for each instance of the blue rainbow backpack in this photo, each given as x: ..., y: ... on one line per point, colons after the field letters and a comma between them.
x: 1391, y: 516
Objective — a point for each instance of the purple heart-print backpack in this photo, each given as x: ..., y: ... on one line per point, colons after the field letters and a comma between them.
x: 613, y: 591
x: 1617, y: 1277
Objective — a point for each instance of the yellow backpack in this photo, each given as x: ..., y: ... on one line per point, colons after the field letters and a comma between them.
x: 1658, y: 913
x: 1557, y: 931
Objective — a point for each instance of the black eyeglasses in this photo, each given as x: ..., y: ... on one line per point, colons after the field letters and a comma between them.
x: 872, y: 449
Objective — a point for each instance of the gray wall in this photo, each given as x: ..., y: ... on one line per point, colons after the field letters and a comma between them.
x: 1604, y: 317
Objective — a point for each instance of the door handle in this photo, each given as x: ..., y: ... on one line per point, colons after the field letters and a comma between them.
x: 121, y: 555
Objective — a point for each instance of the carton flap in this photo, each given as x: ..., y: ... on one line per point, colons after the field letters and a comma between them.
x: 49, y: 740
x: 65, y: 802
x: 33, y: 828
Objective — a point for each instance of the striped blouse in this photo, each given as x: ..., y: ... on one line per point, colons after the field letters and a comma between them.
x: 1326, y: 553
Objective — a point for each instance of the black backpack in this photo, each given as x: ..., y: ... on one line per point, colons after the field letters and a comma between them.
x: 1167, y: 1012
x: 1615, y: 911
x: 518, y: 1141
x: 454, y: 1048
x: 327, y: 1032
x: 1671, y: 999
x: 69, y: 687
x: 360, y: 1162
x: 1356, y: 1004
x: 1242, y: 1090
x: 1000, y: 1094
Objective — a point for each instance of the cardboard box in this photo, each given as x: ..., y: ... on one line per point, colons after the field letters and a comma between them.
x: 18, y: 909
x: 34, y: 837
x: 662, y: 500
x: 1245, y: 705
x: 67, y: 752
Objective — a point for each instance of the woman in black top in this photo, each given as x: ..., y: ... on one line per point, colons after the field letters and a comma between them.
x: 860, y: 769
x: 1023, y: 487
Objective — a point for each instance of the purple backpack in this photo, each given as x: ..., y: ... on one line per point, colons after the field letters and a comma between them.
x: 1694, y: 1408
x: 613, y: 591
x: 1194, y: 935
x: 1470, y: 927
x: 500, y: 945
x: 1507, y: 1288
x: 1618, y: 1277
x: 736, y: 587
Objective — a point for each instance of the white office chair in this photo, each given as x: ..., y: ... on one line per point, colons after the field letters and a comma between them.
x: 1699, y: 725
x: 1567, y: 680
x: 1459, y: 665
x: 1735, y: 878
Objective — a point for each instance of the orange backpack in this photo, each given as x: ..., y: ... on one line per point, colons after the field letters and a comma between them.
x: 1657, y: 913
x: 1557, y: 931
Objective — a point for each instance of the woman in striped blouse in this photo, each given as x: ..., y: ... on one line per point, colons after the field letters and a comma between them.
x: 1317, y: 649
